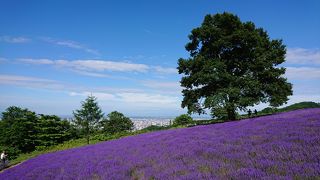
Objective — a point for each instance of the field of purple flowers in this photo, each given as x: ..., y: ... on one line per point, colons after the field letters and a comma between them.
x: 282, y: 146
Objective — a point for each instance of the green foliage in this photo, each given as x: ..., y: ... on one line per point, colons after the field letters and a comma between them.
x: 116, y: 122
x: 22, y: 131
x: 88, y: 117
x: 19, y: 128
x: 11, y: 151
x: 183, y: 119
x: 300, y: 105
x: 268, y: 110
x: 232, y: 65
x: 53, y: 131
x: 155, y: 128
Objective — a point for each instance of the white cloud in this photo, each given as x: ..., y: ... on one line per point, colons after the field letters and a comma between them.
x: 99, y: 95
x: 92, y: 74
x: 30, y: 82
x: 303, y: 73
x: 147, y: 98
x: 90, y: 65
x: 123, y: 99
x: 170, y: 87
x: 10, y: 39
x: 70, y: 44
x: 3, y: 60
x: 303, y: 56
x: 12, y: 78
x: 157, y: 84
x: 100, y: 65
x: 163, y: 70
x: 300, y: 98
x: 142, y: 98
x: 48, y: 84
x: 36, y: 61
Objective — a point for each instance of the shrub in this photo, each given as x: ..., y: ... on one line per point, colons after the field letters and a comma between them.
x: 183, y: 119
x: 154, y: 128
x: 117, y: 122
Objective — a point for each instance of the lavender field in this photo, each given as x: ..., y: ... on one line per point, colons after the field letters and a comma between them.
x: 282, y: 146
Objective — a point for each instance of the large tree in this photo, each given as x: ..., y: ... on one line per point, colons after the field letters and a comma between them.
x: 232, y: 65
x: 89, y: 116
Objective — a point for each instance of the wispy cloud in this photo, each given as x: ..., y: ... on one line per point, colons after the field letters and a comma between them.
x: 37, y: 61
x: 149, y: 98
x: 303, y: 56
x: 30, y: 82
x: 301, y: 98
x: 10, y: 39
x: 87, y: 67
x: 92, y: 74
x: 48, y: 84
x: 167, y: 87
x: 90, y: 65
x: 136, y: 97
x: 100, y: 95
x: 70, y: 44
x: 163, y: 70
x: 303, y: 73
x: 3, y: 60
x: 141, y: 98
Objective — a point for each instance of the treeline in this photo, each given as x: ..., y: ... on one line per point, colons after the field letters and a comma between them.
x: 301, y: 105
x: 23, y: 131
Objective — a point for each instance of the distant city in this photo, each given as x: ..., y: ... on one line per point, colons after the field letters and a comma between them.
x: 143, y: 122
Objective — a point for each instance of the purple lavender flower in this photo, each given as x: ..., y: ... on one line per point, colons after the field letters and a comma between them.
x: 281, y: 146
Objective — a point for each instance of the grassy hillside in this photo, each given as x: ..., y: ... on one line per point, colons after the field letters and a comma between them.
x: 285, y: 145
x: 301, y: 105
x: 99, y: 138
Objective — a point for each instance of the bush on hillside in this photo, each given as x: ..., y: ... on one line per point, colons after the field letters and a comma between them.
x: 301, y: 105
x: 183, y: 119
x: 155, y: 128
x: 116, y: 122
x: 268, y: 110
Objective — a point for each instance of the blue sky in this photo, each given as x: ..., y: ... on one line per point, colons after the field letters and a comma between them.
x: 55, y: 53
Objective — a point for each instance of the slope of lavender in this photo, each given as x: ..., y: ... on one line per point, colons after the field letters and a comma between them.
x: 282, y: 146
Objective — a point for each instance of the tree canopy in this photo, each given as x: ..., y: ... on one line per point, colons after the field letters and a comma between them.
x: 117, y: 122
x: 22, y: 131
x: 19, y: 129
x: 183, y: 119
x: 89, y: 116
x: 232, y: 65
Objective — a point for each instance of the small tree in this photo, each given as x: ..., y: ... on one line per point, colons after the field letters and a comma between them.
x: 88, y: 117
x: 117, y: 122
x: 183, y: 119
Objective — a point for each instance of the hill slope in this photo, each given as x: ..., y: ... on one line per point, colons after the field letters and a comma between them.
x: 284, y: 145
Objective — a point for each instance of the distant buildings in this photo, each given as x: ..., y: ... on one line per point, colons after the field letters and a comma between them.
x: 143, y: 123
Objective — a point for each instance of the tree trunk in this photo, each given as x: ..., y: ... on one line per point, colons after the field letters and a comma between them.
x: 88, y: 134
x: 231, y: 113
